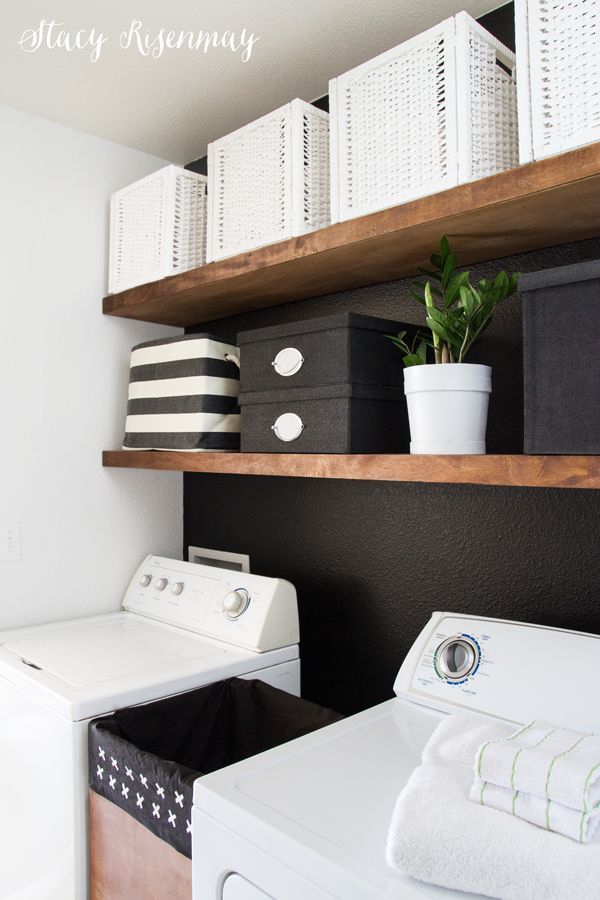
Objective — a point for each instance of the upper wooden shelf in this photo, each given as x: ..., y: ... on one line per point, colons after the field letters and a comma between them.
x: 510, y: 471
x: 538, y: 205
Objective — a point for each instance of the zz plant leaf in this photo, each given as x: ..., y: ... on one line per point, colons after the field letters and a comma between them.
x: 456, y: 311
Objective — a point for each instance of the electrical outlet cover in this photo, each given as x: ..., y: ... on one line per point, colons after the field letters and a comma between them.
x: 10, y: 541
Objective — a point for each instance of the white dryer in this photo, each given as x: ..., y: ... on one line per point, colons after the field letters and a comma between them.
x: 182, y: 626
x: 309, y: 820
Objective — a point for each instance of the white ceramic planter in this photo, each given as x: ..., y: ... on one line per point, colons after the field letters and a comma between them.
x: 447, y: 407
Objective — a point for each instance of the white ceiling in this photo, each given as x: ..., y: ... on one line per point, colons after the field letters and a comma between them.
x: 173, y: 106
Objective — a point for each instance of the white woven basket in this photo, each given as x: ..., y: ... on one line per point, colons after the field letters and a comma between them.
x: 157, y: 227
x: 434, y: 112
x: 558, y: 59
x: 269, y: 180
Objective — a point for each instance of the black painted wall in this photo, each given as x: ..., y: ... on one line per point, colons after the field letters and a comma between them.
x: 372, y: 560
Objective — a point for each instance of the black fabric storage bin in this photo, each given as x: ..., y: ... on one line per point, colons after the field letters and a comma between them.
x: 339, y: 418
x: 561, y: 333
x: 344, y: 348
x: 145, y: 759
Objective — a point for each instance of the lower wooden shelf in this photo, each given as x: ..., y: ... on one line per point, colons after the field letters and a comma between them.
x: 511, y: 471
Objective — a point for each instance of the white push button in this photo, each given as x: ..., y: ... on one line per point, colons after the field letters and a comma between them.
x: 145, y: 580
x: 288, y: 427
x: 177, y: 588
x: 161, y: 584
x: 288, y: 362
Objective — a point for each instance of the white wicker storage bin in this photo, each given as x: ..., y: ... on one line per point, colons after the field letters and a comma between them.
x: 558, y: 60
x: 157, y: 227
x: 269, y: 180
x: 434, y: 112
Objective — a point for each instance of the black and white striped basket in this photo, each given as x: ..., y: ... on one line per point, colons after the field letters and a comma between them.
x: 183, y: 395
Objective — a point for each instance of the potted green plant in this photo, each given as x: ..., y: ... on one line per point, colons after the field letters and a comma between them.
x: 448, y: 400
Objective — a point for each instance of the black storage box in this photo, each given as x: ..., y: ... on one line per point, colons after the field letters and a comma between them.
x: 333, y: 418
x: 561, y: 332
x: 342, y: 349
x: 145, y: 759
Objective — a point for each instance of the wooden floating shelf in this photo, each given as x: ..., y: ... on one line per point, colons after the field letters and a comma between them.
x: 510, y: 471
x: 541, y: 204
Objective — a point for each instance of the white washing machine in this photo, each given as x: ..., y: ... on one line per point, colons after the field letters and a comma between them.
x: 308, y: 820
x: 182, y: 626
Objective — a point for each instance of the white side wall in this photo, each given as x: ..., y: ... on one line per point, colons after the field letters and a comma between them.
x: 63, y: 381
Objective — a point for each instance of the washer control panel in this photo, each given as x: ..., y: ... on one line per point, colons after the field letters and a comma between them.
x: 512, y: 670
x: 247, y: 610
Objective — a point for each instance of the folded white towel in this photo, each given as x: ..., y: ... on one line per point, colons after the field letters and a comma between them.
x: 572, y: 823
x: 546, y: 761
x: 438, y: 835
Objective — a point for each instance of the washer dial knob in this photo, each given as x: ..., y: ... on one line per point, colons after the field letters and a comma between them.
x: 456, y: 658
x: 161, y: 584
x: 235, y: 603
x: 145, y: 580
x: 177, y: 588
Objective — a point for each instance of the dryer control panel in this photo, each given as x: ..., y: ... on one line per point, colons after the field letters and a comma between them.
x: 240, y: 608
x: 510, y: 670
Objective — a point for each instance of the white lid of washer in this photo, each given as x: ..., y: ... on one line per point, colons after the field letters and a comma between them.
x: 83, y: 653
x: 87, y: 667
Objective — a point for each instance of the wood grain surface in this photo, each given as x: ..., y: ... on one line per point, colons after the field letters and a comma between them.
x: 511, y: 471
x: 128, y: 862
x: 541, y: 204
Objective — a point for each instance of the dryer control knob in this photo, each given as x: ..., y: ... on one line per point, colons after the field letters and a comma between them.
x: 145, y: 580
x: 177, y: 588
x: 236, y: 602
x: 161, y: 584
x: 456, y: 658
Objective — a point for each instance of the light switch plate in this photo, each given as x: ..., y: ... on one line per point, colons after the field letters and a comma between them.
x: 10, y: 541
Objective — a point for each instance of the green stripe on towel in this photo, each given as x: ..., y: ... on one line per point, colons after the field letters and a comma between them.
x: 564, y: 753
x: 586, y: 785
x: 484, y: 784
x: 518, y: 753
x: 583, y: 815
x: 497, y: 740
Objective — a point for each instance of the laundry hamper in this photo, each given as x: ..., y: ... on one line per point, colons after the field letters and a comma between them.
x: 157, y: 227
x: 558, y: 59
x: 183, y: 395
x: 143, y: 762
x: 269, y: 180
x: 434, y: 112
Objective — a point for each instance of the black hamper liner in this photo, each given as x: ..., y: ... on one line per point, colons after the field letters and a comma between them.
x: 145, y: 759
